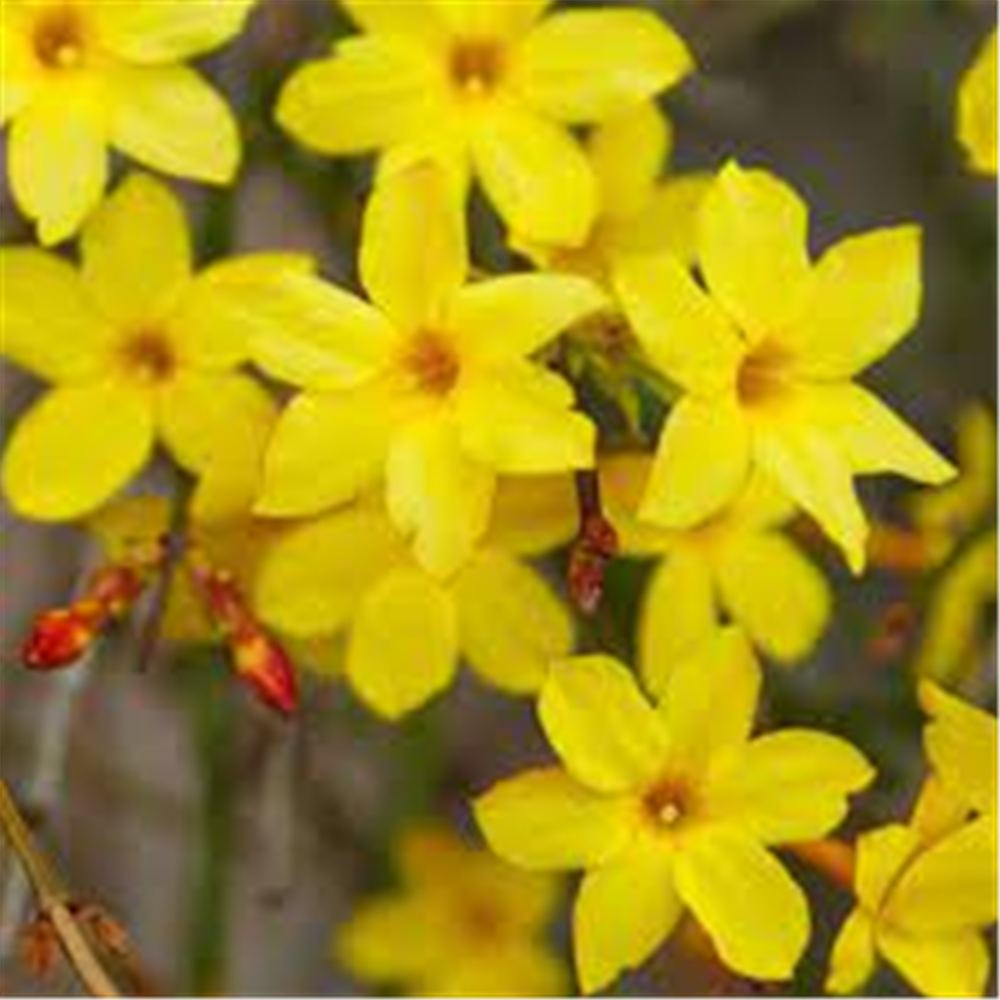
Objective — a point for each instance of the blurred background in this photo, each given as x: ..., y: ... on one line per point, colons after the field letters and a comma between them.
x: 229, y: 845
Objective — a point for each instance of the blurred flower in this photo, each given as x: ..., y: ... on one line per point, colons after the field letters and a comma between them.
x: 673, y: 807
x: 432, y: 386
x: 977, y: 109
x: 351, y: 573
x: 460, y: 923
x: 737, y: 565
x: 766, y: 354
x: 79, y: 76
x: 637, y: 212
x: 140, y: 350
x: 490, y: 86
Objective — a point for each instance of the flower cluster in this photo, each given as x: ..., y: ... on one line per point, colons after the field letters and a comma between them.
x: 376, y: 481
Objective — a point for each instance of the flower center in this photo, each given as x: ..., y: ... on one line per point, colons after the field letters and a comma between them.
x: 477, y: 65
x: 482, y: 920
x: 148, y: 356
x: 765, y: 374
x: 667, y: 803
x: 59, y: 37
x: 433, y: 363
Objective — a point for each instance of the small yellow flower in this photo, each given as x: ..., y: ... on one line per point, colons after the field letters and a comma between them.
x: 737, y: 566
x: 140, y: 350
x: 459, y: 924
x: 765, y: 355
x: 923, y: 906
x: 492, y: 86
x: 673, y: 807
x: 350, y: 574
x: 961, y: 744
x: 432, y: 386
x: 637, y: 212
x: 80, y: 76
x: 977, y: 109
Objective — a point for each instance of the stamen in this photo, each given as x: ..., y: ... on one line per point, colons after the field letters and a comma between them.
x: 433, y: 363
x: 59, y: 37
x: 477, y: 65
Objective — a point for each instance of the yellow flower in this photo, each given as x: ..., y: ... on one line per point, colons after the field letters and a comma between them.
x: 140, y: 350
x: 961, y: 744
x: 737, y: 565
x: 459, y: 924
x: 922, y: 906
x: 959, y: 617
x: 673, y: 806
x: 977, y: 109
x: 491, y: 85
x: 636, y: 211
x: 431, y: 386
x: 765, y: 355
x: 80, y: 76
x: 351, y: 574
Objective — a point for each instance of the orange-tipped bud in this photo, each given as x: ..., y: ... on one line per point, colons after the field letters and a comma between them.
x: 259, y: 660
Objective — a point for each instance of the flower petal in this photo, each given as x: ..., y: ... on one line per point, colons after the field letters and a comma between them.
x: 543, y: 820
x: 48, y: 323
x: 583, y: 65
x: 57, y: 163
x: 977, y: 108
x: 515, y: 315
x: 624, y: 911
x: 403, y: 647
x: 752, y: 909
x: 437, y: 494
x: 413, y: 247
x: 533, y: 515
x: 702, y: 462
x: 770, y: 588
x: 325, y: 450
x: 20, y: 73
x: 512, y: 625
x: 679, y: 612
x: 313, y: 575
x: 686, y: 335
x: 418, y: 21
x: 137, y: 252
x: 74, y: 449
x: 171, y: 119
x: 865, y: 300
x: 852, y: 960
x: 510, y: 420
x: 159, y: 31
x: 752, y: 238
x: 787, y: 786
x: 597, y: 720
x: 881, y: 854
x: 536, y: 176
x: 939, y: 966
x: 372, y: 93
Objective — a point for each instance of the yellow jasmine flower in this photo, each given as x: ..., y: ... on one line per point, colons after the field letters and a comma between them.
x: 737, y: 565
x: 673, y: 806
x: 351, y: 574
x: 977, y: 109
x: 491, y: 85
x: 959, y: 617
x: 80, y: 76
x: 139, y: 350
x: 460, y: 923
x: 961, y: 744
x: 922, y: 906
x: 765, y: 354
x: 432, y: 385
x: 637, y: 212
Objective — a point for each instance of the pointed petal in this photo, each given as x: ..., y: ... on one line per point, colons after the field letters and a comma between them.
x: 752, y: 909
x: 512, y: 625
x: 939, y: 966
x: 624, y: 911
x: 543, y: 820
x: 598, y: 721
x: 852, y: 960
x: 583, y: 65
x: 404, y: 643
x: 74, y: 449
x: 137, y: 252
